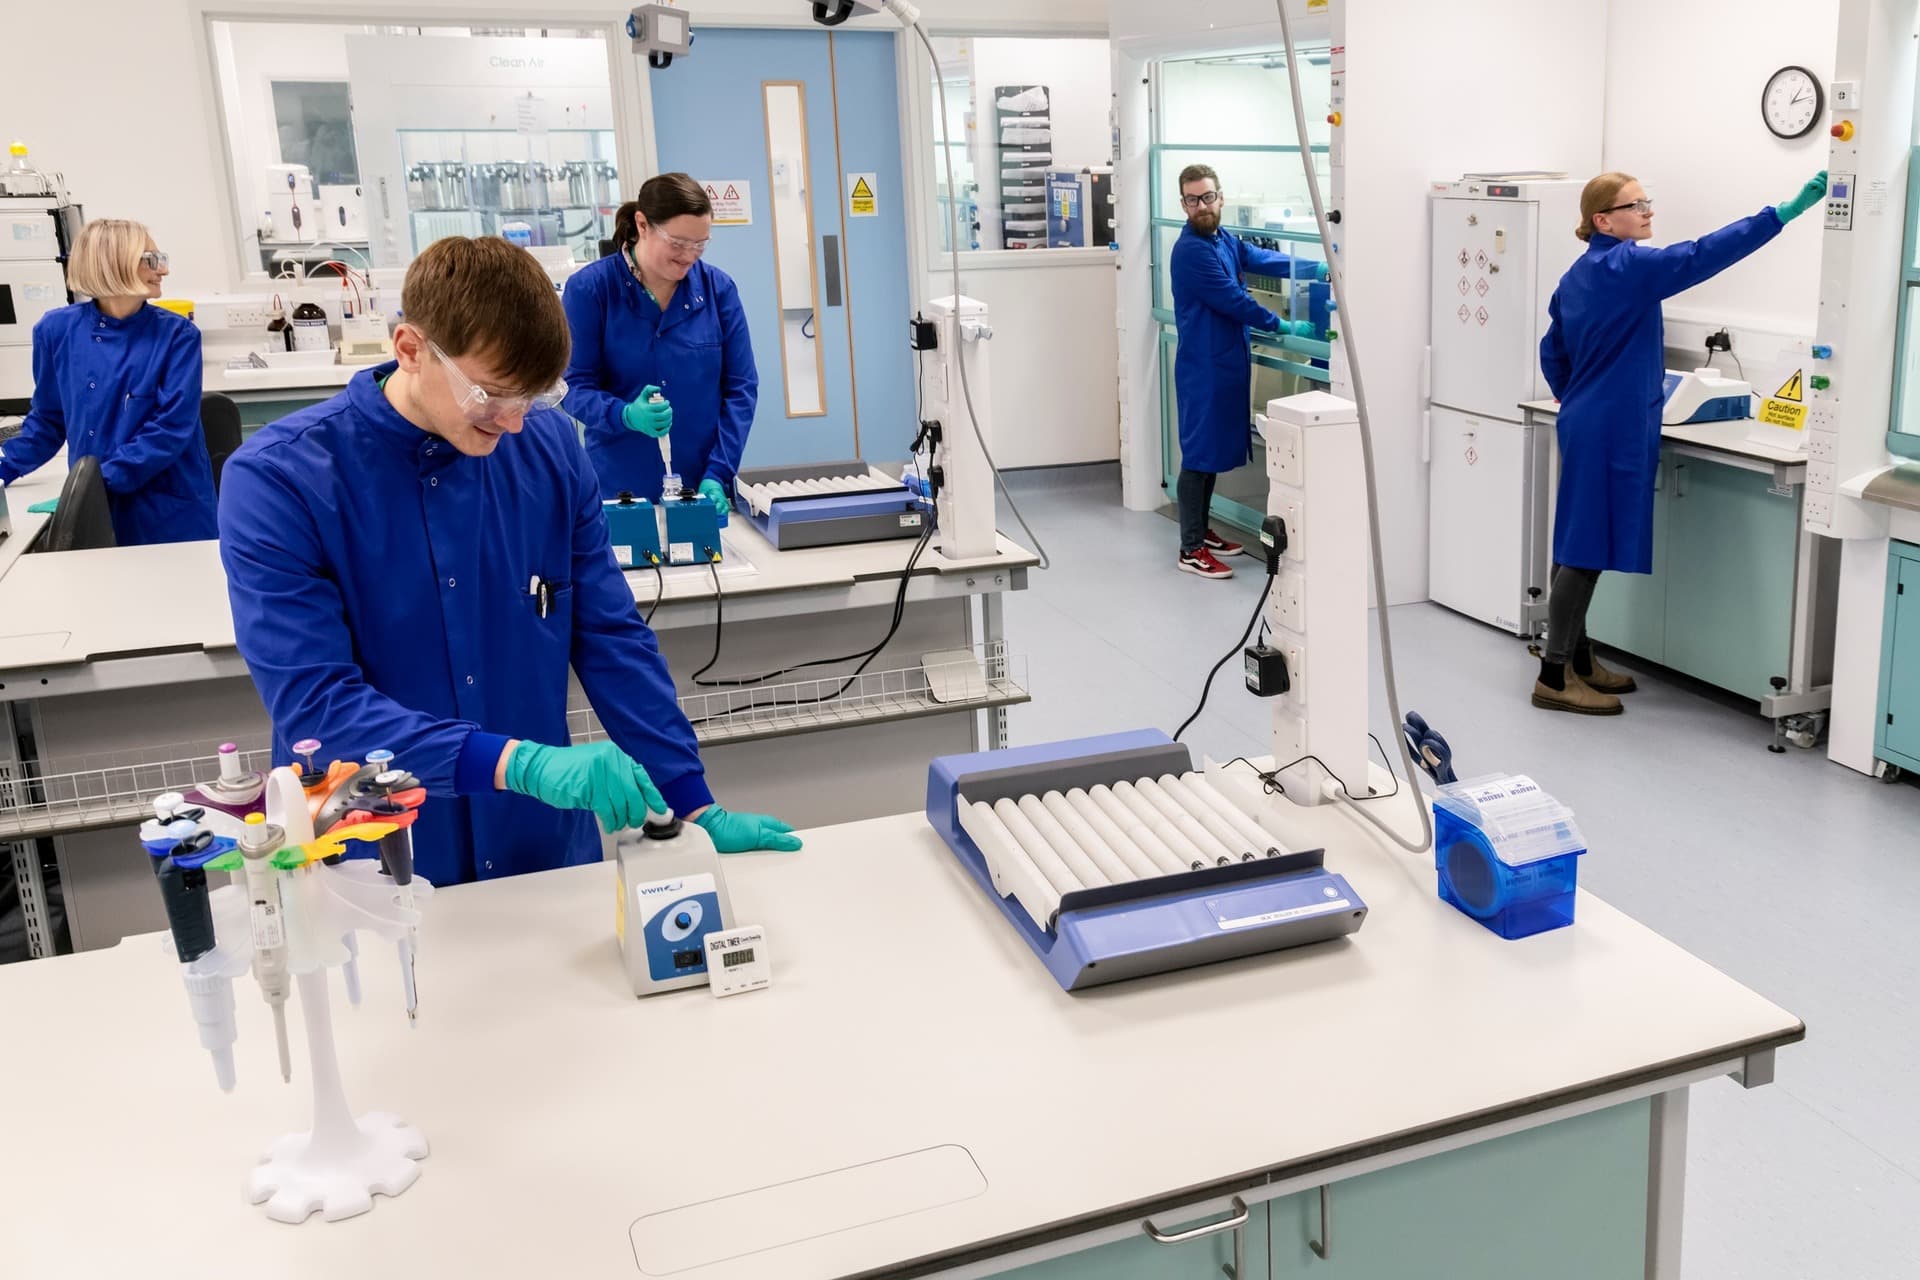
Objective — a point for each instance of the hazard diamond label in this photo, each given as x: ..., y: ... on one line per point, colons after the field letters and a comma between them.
x: 1464, y: 258
x: 1481, y: 315
x: 1483, y: 286
x: 1480, y: 259
x: 1464, y: 314
x: 1464, y: 286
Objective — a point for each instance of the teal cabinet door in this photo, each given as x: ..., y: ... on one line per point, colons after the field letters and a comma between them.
x: 1567, y: 1200
x: 1144, y: 1259
x: 1629, y: 610
x: 1731, y: 543
x: 1900, y: 665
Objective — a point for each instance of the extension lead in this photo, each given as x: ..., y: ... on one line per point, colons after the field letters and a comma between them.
x: 1337, y: 278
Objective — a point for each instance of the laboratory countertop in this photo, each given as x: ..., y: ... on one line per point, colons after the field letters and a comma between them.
x: 72, y: 609
x: 913, y: 1089
x: 215, y: 376
x: 23, y: 526
x: 1725, y: 437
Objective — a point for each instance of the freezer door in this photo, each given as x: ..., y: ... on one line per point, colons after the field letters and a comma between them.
x: 1488, y: 305
x: 1479, y: 494
x: 28, y: 290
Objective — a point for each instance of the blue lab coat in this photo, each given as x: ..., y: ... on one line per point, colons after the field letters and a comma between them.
x: 1213, y: 366
x: 128, y: 393
x: 381, y: 591
x: 699, y: 354
x: 1604, y: 358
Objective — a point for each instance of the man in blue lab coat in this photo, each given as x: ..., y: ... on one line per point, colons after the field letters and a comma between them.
x: 415, y: 564
x: 1604, y: 358
x: 1213, y: 368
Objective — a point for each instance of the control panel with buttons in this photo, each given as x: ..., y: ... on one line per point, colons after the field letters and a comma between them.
x: 1840, y: 202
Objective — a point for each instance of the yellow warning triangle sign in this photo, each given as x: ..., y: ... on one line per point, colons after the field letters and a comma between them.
x: 1791, y: 391
x: 861, y: 191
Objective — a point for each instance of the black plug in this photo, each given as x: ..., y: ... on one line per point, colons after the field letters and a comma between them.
x: 1273, y: 540
x: 1721, y: 341
x: 922, y: 335
x: 936, y: 480
x: 1266, y: 671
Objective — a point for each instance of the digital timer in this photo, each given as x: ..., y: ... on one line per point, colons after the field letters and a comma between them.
x: 737, y: 960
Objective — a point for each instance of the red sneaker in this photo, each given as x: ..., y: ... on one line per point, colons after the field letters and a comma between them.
x: 1220, y: 546
x: 1203, y: 563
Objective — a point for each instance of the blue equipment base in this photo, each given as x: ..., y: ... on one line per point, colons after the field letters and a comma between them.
x: 693, y: 531
x: 881, y: 512
x: 1120, y: 931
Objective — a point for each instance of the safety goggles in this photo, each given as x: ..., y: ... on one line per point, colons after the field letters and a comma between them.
x: 1641, y: 207
x: 481, y: 405
x: 692, y: 247
x: 154, y: 260
x: 1205, y: 200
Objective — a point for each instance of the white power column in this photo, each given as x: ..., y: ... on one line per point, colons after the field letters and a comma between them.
x: 964, y: 508
x: 1318, y: 607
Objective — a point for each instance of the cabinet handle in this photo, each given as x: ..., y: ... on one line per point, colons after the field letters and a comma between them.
x: 1680, y: 480
x: 1323, y: 1247
x: 1233, y: 1222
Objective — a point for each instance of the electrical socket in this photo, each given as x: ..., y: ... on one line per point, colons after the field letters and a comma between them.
x: 1293, y: 511
x: 1819, y: 511
x: 1290, y: 599
x: 1822, y: 446
x: 239, y: 317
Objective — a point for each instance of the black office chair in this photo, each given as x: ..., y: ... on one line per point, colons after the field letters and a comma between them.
x: 220, y: 423
x: 82, y: 521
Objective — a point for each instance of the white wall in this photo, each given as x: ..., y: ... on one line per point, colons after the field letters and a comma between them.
x: 1683, y: 86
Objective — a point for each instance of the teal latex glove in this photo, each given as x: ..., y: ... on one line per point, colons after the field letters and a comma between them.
x: 1810, y: 194
x: 1297, y: 328
x: 46, y: 508
x: 597, y: 776
x: 746, y: 832
x: 712, y: 492
x: 647, y: 415
x: 1323, y: 274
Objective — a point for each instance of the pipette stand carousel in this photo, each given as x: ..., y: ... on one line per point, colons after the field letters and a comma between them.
x: 343, y: 1160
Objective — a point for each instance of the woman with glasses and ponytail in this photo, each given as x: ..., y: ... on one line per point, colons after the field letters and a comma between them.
x: 660, y: 345
x: 1604, y: 359
x: 118, y: 380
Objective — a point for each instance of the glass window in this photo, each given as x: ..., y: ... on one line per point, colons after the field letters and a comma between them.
x: 1904, y: 438
x: 1030, y: 134
x: 367, y: 143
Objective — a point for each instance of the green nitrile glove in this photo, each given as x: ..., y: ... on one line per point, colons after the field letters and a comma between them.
x: 712, y: 492
x: 46, y: 508
x: 1810, y: 194
x: 597, y: 776
x: 650, y: 414
x: 746, y: 832
x: 1324, y: 273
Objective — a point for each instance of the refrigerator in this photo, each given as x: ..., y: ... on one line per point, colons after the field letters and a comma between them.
x: 1500, y: 245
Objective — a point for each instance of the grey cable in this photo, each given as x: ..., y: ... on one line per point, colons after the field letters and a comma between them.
x: 1338, y: 278
x: 966, y: 392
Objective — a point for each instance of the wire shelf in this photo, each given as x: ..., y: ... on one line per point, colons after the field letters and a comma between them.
x: 110, y: 789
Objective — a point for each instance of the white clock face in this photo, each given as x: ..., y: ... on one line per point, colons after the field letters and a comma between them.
x: 1791, y: 104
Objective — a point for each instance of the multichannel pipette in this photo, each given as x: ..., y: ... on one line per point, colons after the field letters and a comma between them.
x: 258, y: 844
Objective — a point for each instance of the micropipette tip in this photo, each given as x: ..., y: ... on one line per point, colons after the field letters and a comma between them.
x: 280, y: 1038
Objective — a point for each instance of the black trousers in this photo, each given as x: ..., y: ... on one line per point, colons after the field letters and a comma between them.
x: 1195, y: 494
x: 1567, y: 603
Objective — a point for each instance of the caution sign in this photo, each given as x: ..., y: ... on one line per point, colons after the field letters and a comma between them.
x: 1787, y: 406
x: 732, y: 201
x: 1314, y: 6
x: 861, y: 201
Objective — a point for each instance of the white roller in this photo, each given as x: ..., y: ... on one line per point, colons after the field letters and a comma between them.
x: 1104, y: 856
x: 1139, y: 829
x: 1014, y: 872
x: 1188, y: 825
x: 1063, y: 844
x: 1192, y: 856
x: 1137, y: 860
x: 1233, y: 813
x: 1058, y: 874
x: 1218, y: 825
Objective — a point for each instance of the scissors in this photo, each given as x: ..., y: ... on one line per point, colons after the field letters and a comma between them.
x: 1429, y: 748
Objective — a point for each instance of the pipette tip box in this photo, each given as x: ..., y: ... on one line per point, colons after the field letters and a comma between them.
x: 1508, y: 855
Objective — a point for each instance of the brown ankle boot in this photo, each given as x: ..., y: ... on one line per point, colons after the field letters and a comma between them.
x: 1578, y: 697
x: 1605, y: 680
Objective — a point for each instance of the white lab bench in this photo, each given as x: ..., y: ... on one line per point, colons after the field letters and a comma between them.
x: 913, y: 1096
x: 120, y: 668
x: 23, y: 526
x: 1742, y: 596
x: 266, y: 395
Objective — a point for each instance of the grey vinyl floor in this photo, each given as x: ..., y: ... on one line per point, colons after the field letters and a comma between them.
x: 1792, y: 874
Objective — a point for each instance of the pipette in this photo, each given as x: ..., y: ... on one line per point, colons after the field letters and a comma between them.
x: 258, y: 843
x: 183, y: 889
x: 670, y: 483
